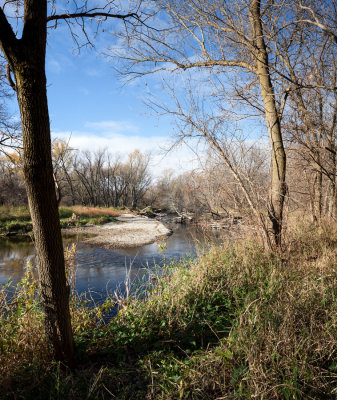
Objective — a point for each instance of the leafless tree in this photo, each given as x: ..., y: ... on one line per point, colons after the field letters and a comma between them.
x: 223, y: 38
x: 309, y: 117
x: 12, y: 190
x: 139, y: 177
x: 25, y: 54
x: 244, y: 160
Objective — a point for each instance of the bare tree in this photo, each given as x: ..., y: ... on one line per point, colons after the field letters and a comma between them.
x: 62, y: 161
x: 222, y: 37
x: 320, y: 15
x: 10, y: 134
x: 25, y: 56
x: 12, y: 190
x: 139, y: 177
x: 245, y: 162
x: 309, y: 117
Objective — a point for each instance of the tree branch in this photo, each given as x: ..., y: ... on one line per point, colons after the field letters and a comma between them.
x: 8, y: 41
x: 206, y: 63
x: 323, y: 27
x: 90, y: 15
x: 9, y: 78
x: 223, y: 63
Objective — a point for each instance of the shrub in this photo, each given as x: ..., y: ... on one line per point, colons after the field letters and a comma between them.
x: 18, y: 226
x: 65, y: 212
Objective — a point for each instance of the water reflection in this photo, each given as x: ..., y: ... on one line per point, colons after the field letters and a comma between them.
x: 102, y: 271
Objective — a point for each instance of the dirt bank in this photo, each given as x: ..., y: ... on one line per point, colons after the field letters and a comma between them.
x: 130, y: 231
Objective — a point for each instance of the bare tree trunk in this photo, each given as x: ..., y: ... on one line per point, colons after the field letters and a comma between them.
x: 318, y: 195
x: 44, y: 211
x: 27, y: 59
x: 312, y: 201
x: 58, y: 191
x: 278, y: 175
x: 333, y: 184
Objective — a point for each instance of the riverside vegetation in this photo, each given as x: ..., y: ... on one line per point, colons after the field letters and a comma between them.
x: 235, y: 323
x: 17, y: 220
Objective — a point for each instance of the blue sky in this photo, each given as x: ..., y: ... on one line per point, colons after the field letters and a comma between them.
x: 85, y: 88
x: 89, y: 104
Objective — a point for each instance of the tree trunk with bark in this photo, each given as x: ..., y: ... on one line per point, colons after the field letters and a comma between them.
x: 278, y: 174
x: 318, y: 195
x: 26, y: 58
x: 333, y: 203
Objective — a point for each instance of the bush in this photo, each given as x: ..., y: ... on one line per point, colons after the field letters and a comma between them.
x: 65, y: 212
x: 18, y: 226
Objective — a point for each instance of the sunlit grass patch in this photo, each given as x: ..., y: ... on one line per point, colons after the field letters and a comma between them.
x: 235, y: 323
x: 16, y: 220
x: 79, y: 216
x: 94, y: 212
x: 14, y: 213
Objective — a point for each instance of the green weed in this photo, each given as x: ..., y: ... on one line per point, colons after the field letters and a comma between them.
x: 235, y: 323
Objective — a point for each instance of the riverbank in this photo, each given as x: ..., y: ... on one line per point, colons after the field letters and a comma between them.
x: 235, y: 323
x: 16, y: 220
x: 104, y: 227
x: 130, y: 231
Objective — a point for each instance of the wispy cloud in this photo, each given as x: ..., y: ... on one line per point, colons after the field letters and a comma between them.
x: 54, y: 66
x: 84, y: 91
x: 112, y: 127
x: 93, y: 72
x: 179, y: 159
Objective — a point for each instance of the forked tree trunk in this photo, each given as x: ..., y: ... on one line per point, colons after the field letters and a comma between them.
x: 27, y: 60
x: 278, y: 156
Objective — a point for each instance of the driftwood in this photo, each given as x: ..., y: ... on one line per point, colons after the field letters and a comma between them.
x: 183, y: 219
x: 225, y: 222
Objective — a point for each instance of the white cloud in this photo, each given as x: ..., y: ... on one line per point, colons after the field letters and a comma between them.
x: 93, y: 72
x: 112, y: 126
x: 54, y: 66
x: 180, y: 159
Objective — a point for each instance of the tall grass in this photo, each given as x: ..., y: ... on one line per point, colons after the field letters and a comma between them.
x: 91, y: 212
x: 236, y: 323
x: 14, y: 213
x: 17, y: 219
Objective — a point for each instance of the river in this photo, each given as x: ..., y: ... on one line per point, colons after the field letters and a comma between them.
x: 101, y: 271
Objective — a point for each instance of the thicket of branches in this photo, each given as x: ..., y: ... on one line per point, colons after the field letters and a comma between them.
x: 87, y: 178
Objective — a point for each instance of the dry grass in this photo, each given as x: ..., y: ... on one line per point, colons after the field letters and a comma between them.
x: 234, y: 324
x: 14, y: 213
x: 24, y: 353
x: 93, y: 212
x: 274, y: 323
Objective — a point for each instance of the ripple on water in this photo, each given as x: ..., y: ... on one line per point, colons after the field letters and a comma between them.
x: 100, y: 270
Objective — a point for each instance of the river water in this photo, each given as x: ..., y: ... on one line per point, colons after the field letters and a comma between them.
x: 101, y: 271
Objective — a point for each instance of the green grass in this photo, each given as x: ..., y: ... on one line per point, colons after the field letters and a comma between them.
x: 16, y: 220
x: 84, y: 220
x: 236, y: 323
x: 14, y: 213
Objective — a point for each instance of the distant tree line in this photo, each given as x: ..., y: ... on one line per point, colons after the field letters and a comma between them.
x: 96, y: 178
x: 212, y: 189
x: 100, y: 178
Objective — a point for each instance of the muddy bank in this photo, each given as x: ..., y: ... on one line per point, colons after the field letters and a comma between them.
x: 130, y: 231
